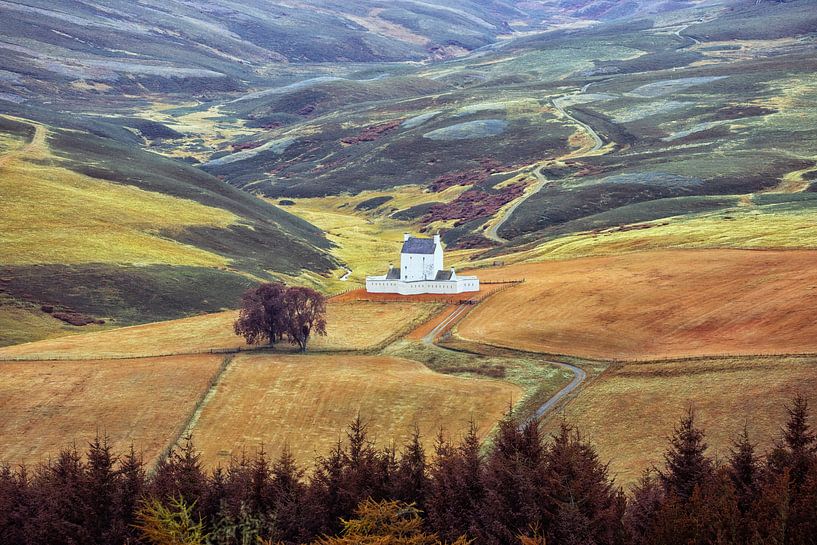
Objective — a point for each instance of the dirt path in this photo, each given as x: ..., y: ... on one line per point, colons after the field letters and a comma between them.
x: 36, y: 146
x: 452, y: 319
x: 598, y: 143
x: 579, y: 375
x: 493, y: 231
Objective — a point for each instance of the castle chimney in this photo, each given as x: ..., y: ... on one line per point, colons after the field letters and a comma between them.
x: 406, y: 237
x: 437, y: 238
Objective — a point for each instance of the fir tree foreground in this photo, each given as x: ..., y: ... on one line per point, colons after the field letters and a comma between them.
x: 523, y: 489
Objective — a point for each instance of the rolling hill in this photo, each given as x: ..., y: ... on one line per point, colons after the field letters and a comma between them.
x: 97, y: 231
x: 511, y: 127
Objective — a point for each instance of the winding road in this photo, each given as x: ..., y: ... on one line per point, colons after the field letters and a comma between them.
x: 492, y: 232
x: 579, y: 375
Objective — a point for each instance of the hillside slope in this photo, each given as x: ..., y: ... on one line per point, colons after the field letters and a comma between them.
x: 68, y: 48
x: 92, y: 229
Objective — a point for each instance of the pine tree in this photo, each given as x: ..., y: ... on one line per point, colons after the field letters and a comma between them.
x: 288, y: 492
x: 646, y: 499
x: 411, y: 481
x: 101, y: 487
x: 16, y: 510
x: 325, y: 496
x: 362, y: 472
x: 795, y: 452
x: 455, y: 490
x: 514, y: 484
x: 582, y: 504
x: 686, y: 464
x: 743, y: 468
x: 261, y: 495
x: 132, y: 487
x: 61, y: 508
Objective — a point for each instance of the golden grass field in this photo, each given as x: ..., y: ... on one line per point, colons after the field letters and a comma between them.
x: 352, y: 325
x: 47, y: 405
x: 655, y: 305
x: 306, y: 402
x: 632, y: 408
x: 747, y: 227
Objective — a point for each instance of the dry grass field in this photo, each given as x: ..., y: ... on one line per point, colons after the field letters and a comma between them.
x: 632, y: 408
x: 655, y: 305
x: 49, y: 405
x: 351, y: 325
x: 306, y: 402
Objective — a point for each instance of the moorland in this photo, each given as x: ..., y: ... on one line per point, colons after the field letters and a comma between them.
x: 637, y: 177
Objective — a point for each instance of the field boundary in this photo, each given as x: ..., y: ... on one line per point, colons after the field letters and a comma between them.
x: 399, y: 334
x: 186, y: 428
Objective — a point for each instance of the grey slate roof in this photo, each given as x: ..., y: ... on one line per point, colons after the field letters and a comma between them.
x: 443, y: 275
x: 393, y: 274
x: 416, y: 245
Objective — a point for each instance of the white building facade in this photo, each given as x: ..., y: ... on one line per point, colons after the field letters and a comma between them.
x: 421, y: 271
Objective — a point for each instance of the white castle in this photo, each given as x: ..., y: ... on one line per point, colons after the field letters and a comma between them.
x: 421, y: 271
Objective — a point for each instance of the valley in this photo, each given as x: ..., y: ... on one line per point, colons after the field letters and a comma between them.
x: 638, y: 177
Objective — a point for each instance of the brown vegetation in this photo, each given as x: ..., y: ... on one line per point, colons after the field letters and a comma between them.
x: 370, y: 134
x: 653, y: 305
x: 474, y: 204
x: 473, y: 176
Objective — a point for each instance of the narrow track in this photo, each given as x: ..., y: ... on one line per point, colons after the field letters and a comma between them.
x: 579, y: 375
x: 492, y: 233
x: 36, y: 145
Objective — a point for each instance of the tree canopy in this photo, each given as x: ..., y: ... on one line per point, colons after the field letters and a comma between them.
x: 273, y: 311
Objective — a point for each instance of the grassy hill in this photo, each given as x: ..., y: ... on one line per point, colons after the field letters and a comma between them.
x: 94, y: 229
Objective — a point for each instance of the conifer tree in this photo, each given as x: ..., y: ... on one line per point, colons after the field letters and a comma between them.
x: 646, y: 499
x: 456, y: 490
x: 101, y: 488
x: 410, y: 482
x: 179, y: 476
x: 580, y: 497
x: 743, y: 468
x: 61, y: 507
x: 686, y: 464
x: 795, y: 452
x: 326, y: 498
x: 16, y: 510
x: 514, y: 484
x: 288, y: 492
